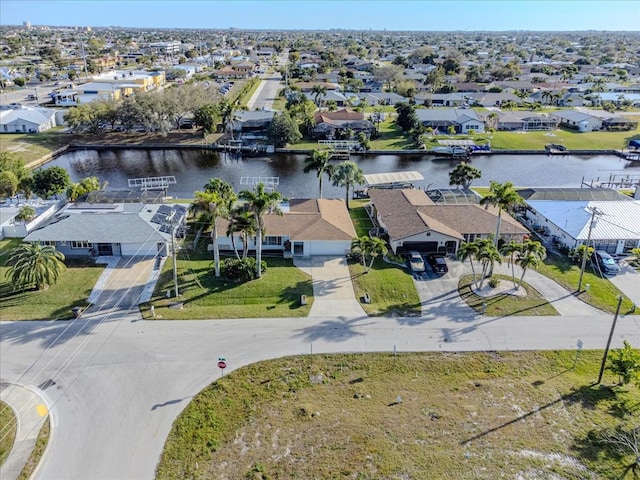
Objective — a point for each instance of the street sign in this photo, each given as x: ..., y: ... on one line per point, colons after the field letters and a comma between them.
x: 222, y: 364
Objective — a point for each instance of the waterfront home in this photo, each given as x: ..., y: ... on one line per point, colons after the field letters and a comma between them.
x: 334, y: 125
x: 306, y: 227
x: 565, y: 217
x: 463, y: 120
x: 413, y: 221
x: 21, y: 119
x: 523, y: 121
x: 590, y: 122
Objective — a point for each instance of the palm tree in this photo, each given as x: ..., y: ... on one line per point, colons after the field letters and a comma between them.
x: 32, y: 263
x: 318, y: 91
x: 488, y: 255
x: 241, y: 221
x: 260, y: 202
x: 510, y: 250
x: 361, y: 246
x: 86, y: 185
x: 468, y: 250
x: 531, y: 254
x: 377, y: 247
x: 503, y: 196
x: 346, y: 175
x: 212, y: 206
x: 318, y: 160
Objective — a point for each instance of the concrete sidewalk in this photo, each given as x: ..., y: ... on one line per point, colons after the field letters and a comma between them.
x: 31, y: 411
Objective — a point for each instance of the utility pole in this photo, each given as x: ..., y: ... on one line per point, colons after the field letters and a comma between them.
x: 594, y: 211
x: 84, y: 59
x: 175, y: 258
x: 606, y: 350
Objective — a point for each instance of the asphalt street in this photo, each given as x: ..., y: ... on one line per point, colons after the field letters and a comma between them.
x: 117, y: 377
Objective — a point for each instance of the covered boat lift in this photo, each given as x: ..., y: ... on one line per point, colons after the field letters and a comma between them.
x: 388, y: 180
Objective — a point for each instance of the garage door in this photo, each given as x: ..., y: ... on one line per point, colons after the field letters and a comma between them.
x: 422, y: 247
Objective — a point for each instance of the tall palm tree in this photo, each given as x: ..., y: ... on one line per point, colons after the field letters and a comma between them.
x: 468, y: 250
x: 241, y: 221
x: 34, y: 264
x: 531, y: 254
x: 347, y: 174
x: 260, y: 202
x: 503, y: 196
x: 212, y: 206
x: 512, y: 250
x: 318, y: 160
x: 318, y: 91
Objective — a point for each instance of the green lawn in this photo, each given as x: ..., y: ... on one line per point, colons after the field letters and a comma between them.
x: 276, y: 294
x: 461, y: 416
x: 502, y: 304
x: 8, y: 432
x: 390, y: 288
x: 72, y: 290
x: 360, y: 218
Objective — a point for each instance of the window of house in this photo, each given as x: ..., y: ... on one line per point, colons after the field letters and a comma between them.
x: 81, y: 244
x: 46, y: 243
x: 298, y: 248
x: 470, y: 237
x: 271, y: 240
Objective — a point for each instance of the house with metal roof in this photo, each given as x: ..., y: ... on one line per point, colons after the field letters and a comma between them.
x: 121, y: 229
x: 412, y: 221
x: 564, y: 215
x: 20, y: 119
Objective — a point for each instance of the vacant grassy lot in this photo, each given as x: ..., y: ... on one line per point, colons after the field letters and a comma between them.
x: 276, y: 294
x: 423, y: 416
x: 72, y: 290
x: 8, y: 431
x: 502, y: 304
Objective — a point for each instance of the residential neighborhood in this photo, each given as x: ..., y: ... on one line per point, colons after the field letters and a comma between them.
x: 302, y: 247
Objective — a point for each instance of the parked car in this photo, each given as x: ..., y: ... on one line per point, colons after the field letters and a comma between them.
x: 416, y: 263
x: 605, y: 262
x: 438, y: 263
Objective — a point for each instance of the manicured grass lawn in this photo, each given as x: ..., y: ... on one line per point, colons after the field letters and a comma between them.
x: 502, y: 304
x: 390, y: 288
x: 461, y: 416
x: 72, y: 290
x: 276, y: 294
x: 391, y: 138
x: 359, y: 217
x: 8, y: 432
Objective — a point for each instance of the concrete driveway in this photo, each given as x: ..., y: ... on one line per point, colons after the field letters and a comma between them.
x: 332, y: 287
x: 628, y: 281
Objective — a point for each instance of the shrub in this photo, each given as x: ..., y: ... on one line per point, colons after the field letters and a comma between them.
x: 241, y: 270
x: 494, y: 282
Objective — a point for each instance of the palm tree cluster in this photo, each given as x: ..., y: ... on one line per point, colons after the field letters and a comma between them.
x: 371, y: 247
x: 527, y: 254
x: 218, y: 200
x: 346, y: 174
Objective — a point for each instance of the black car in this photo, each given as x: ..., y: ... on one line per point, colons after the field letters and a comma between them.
x: 438, y: 263
x: 605, y: 263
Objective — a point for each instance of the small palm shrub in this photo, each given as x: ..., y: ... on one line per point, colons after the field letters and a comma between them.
x: 242, y: 270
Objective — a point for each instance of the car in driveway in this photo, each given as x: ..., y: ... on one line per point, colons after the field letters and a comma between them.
x: 605, y: 263
x: 416, y: 263
x: 438, y: 263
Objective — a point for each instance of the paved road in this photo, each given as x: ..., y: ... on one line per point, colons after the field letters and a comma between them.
x: 266, y: 93
x: 112, y: 376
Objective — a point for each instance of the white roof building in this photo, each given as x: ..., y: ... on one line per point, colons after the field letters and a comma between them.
x: 26, y: 119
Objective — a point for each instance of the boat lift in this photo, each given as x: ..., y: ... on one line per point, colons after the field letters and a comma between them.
x: 391, y: 180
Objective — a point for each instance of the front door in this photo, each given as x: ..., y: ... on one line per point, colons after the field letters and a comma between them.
x: 105, y: 249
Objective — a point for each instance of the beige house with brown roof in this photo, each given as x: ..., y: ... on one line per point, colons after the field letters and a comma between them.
x: 307, y: 227
x: 333, y: 125
x: 414, y: 222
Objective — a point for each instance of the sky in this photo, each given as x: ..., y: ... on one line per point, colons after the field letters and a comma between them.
x: 426, y: 15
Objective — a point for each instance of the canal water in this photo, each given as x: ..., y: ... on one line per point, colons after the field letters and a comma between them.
x: 193, y: 168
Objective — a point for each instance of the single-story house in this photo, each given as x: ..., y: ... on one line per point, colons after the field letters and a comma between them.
x: 307, y: 227
x: 524, y: 121
x: 20, y: 119
x: 565, y: 214
x: 462, y: 119
x: 252, y: 124
x: 332, y: 125
x: 382, y: 98
x: 121, y: 229
x: 490, y: 99
x: 587, y: 122
x: 414, y: 222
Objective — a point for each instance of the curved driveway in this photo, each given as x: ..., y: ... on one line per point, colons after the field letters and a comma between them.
x: 115, y: 384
